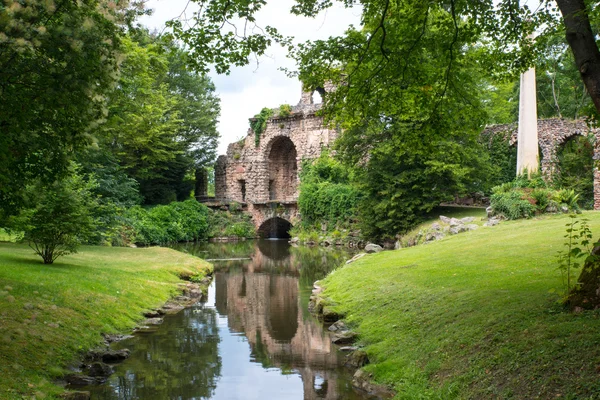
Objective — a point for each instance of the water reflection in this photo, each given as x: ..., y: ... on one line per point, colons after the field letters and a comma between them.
x: 253, y: 338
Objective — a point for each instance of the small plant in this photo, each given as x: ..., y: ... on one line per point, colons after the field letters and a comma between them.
x: 578, y: 243
x: 285, y: 110
x: 237, y: 156
x: 259, y: 123
x: 281, y: 125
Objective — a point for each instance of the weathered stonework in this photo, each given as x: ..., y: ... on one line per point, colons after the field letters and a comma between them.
x: 552, y: 133
x: 265, y: 177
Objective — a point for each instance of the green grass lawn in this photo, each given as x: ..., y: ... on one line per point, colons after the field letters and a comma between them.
x: 473, y: 316
x: 52, y: 314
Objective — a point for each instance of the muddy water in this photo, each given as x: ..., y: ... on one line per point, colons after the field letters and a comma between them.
x: 253, y: 338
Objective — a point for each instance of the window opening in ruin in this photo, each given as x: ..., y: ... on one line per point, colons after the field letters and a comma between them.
x: 271, y: 190
x: 243, y: 189
x: 317, y: 98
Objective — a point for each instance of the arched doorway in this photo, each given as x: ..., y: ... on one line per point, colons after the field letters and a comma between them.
x: 283, y: 170
x: 275, y: 228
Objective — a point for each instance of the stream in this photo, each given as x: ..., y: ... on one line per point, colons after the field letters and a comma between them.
x: 253, y: 337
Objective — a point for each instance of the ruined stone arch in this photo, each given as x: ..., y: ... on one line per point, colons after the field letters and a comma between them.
x: 275, y: 227
x: 281, y: 161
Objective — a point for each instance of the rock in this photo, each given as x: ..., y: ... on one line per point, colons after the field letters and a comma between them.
x: 356, y: 359
x: 445, y: 220
x: 115, y: 338
x: 76, y: 396
x: 80, y: 380
x: 347, y: 349
x: 454, y: 231
x: 347, y: 337
x: 564, y: 209
x: 433, y: 236
x: 492, y: 222
x: 153, y: 321
x: 154, y: 314
x: 489, y: 211
x: 397, y: 245
x: 295, y: 240
x: 338, y: 326
x: 435, y: 227
x: 373, y: 248
x: 172, y: 308
x: 362, y: 381
x: 356, y: 257
x: 455, y: 222
x: 113, y: 356
x: 467, y: 220
x: 327, y: 243
x: 551, y: 208
x: 100, y: 369
x: 472, y: 227
x: 329, y: 315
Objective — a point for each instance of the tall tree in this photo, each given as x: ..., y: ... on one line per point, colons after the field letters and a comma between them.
x: 161, y: 123
x: 58, y: 60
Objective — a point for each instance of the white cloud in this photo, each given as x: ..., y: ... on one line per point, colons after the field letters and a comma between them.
x: 248, y: 89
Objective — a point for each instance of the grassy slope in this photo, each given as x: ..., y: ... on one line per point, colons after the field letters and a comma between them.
x: 473, y: 316
x: 51, y: 314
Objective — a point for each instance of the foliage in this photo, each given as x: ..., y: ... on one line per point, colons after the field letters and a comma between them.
x: 524, y: 197
x: 259, y: 123
x: 326, y: 195
x: 58, y: 63
x: 575, y: 169
x: 503, y: 157
x: 578, y: 244
x: 513, y: 204
x: 161, y: 124
x: 176, y: 222
x: 57, y: 218
x: 233, y: 223
x: 285, y: 110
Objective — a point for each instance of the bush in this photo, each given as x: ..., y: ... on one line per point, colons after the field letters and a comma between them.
x: 176, y: 222
x: 58, y: 217
x: 512, y: 204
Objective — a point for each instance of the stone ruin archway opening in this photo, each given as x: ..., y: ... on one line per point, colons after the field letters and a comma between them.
x: 574, y: 167
x: 275, y: 228
x: 283, y: 170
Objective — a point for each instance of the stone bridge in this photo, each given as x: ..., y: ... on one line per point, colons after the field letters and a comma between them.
x: 263, y: 174
x: 552, y: 134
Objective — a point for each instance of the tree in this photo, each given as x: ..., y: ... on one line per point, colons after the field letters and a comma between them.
x: 161, y: 123
x: 56, y: 218
x: 58, y: 60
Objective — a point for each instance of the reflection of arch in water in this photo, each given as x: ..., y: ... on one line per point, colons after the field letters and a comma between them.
x: 283, y: 308
x: 275, y: 227
x: 276, y: 250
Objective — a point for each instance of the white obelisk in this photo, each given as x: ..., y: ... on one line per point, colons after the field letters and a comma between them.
x: 527, y: 137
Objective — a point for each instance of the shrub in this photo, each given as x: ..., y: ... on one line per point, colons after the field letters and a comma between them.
x: 285, y: 110
x: 58, y: 217
x: 176, y: 222
x: 259, y: 124
x: 512, y: 204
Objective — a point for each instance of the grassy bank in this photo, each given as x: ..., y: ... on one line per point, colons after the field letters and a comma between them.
x: 51, y: 314
x: 473, y: 316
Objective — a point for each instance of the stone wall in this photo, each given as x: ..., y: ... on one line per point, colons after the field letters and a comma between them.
x: 268, y: 173
x: 552, y: 133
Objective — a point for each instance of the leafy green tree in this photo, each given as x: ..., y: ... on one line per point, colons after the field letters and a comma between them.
x: 56, y: 218
x: 58, y: 60
x: 162, y: 119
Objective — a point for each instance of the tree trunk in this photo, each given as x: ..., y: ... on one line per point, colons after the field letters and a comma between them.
x: 583, y: 44
x: 587, y: 291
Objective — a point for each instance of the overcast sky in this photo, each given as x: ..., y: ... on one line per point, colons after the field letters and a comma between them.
x: 248, y: 89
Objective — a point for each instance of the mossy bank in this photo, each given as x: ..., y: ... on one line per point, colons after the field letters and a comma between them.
x: 474, y: 315
x: 51, y: 315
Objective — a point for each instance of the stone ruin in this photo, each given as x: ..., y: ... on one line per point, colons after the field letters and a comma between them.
x: 553, y: 133
x: 264, y: 177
